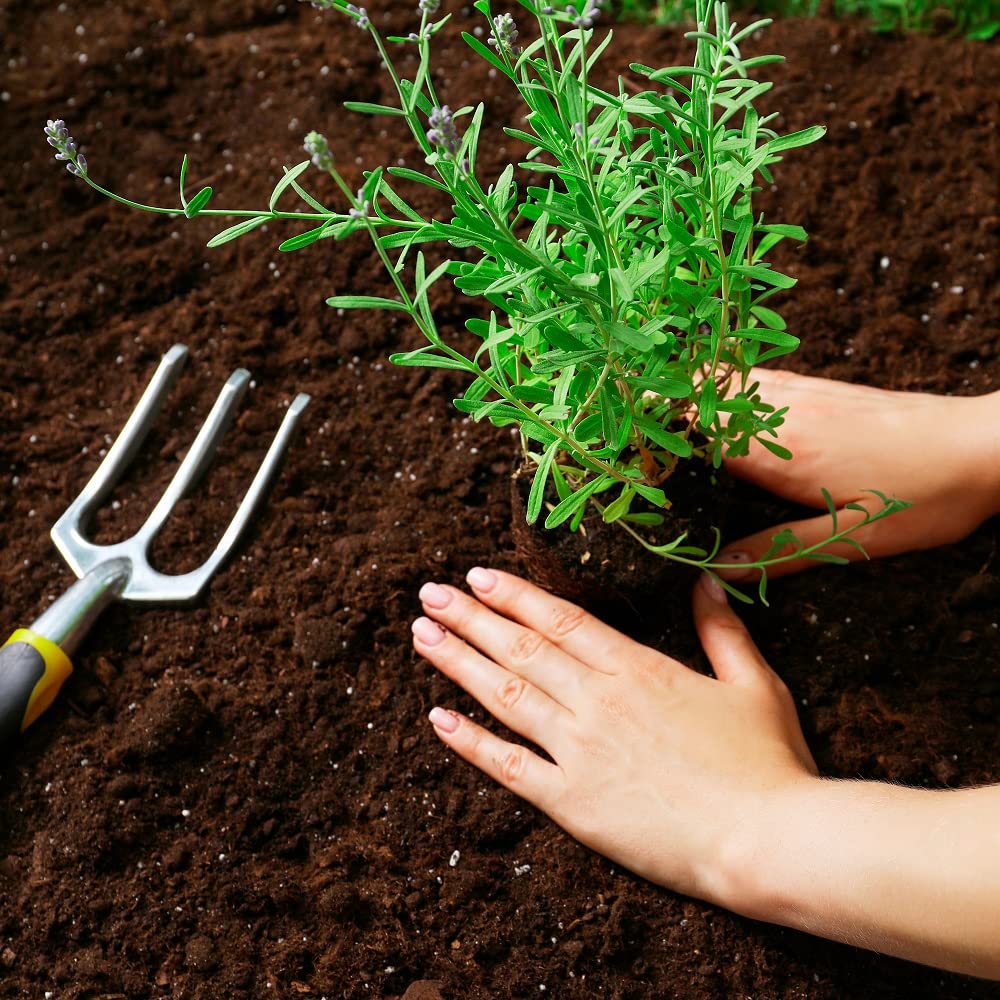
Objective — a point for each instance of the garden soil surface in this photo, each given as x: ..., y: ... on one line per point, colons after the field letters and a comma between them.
x: 244, y: 799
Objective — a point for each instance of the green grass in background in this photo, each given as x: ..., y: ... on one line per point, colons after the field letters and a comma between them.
x: 979, y: 19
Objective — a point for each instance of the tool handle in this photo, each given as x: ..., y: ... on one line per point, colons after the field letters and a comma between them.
x: 32, y: 670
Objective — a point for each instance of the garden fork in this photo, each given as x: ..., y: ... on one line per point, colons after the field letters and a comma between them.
x: 36, y: 661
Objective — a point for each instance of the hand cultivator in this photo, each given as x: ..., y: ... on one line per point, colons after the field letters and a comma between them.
x: 36, y: 661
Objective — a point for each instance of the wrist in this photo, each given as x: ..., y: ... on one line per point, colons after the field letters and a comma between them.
x: 752, y: 876
x: 906, y: 871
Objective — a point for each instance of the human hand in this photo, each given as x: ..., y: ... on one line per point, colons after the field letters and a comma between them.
x: 666, y: 771
x: 941, y: 453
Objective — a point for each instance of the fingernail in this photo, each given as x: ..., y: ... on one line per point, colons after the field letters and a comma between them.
x: 428, y: 632
x: 444, y: 720
x: 483, y: 580
x: 435, y: 596
x: 713, y: 588
x: 735, y: 573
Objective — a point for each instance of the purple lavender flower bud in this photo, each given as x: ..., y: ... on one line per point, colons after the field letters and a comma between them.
x: 363, y: 210
x: 428, y: 6
x: 504, y: 34
x: 548, y: 9
x: 58, y: 137
x: 442, y: 130
x: 360, y: 15
x: 318, y: 148
x: 56, y: 129
x: 585, y: 18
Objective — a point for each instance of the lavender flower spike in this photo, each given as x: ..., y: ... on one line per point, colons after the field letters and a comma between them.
x: 504, y: 34
x: 442, y: 130
x: 360, y: 15
x: 318, y: 148
x: 586, y: 18
x: 57, y: 136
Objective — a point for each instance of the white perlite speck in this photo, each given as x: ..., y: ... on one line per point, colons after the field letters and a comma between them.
x: 453, y: 860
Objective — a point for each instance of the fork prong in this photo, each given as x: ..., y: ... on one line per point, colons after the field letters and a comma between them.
x: 189, y: 585
x: 67, y: 531
x: 201, y: 453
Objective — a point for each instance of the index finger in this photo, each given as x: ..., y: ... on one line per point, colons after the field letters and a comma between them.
x: 565, y: 625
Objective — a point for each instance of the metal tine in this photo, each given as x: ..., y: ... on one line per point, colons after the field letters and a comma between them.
x: 200, y: 455
x: 67, y: 531
x: 189, y: 585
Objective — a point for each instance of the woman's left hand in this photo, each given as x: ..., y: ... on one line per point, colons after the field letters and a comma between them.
x: 666, y: 771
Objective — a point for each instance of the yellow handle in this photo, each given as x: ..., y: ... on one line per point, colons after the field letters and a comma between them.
x: 32, y: 670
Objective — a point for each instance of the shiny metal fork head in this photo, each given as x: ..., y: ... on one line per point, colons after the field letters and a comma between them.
x: 124, y: 567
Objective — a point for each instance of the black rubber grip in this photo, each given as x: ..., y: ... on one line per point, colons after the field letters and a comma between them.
x: 21, y: 668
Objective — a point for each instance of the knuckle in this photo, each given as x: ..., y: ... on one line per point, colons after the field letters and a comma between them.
x: 567, y: 618
x: 525, y: 646
x: 511, y: 765
x: 474, y: 745
x: 462, y: 616
x: 731, y: 625
x: 510, y: 693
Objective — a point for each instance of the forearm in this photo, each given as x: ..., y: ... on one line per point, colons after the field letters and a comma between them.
x: 906, y: 872
x: 989, y: 427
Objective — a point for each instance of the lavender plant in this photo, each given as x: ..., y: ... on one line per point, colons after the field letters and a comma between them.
x: 629, y: 288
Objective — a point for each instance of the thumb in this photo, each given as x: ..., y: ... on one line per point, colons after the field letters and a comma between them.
x: 725, y: 639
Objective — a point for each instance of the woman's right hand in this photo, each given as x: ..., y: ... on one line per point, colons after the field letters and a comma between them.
x: 941, y: 453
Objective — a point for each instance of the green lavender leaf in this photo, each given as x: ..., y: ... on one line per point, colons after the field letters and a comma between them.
x: 304, y: 239
x: 576, y: 501
x: 537, y: 492
x: 198, y: 202
x: 235, y: 232
x: 364, y: 302
x: 364, y: 108
x: 289, y: 177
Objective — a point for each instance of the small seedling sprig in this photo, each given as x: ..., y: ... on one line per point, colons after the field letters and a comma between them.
x: 628, y: 281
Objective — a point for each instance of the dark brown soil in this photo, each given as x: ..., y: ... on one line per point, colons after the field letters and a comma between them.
x: 244, y: 799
